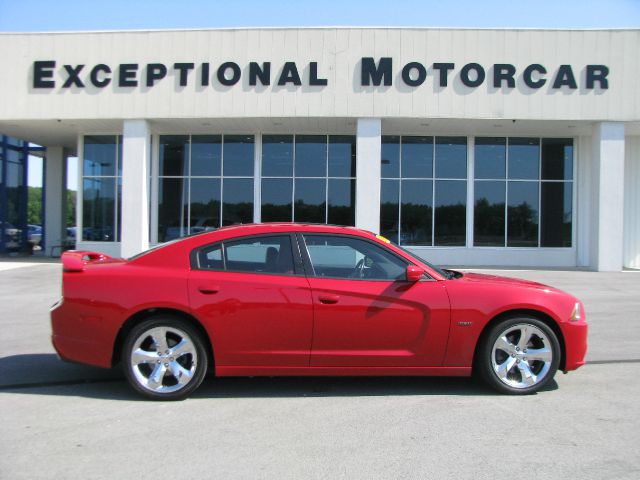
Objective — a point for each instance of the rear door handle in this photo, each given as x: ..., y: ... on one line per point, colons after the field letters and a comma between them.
x: 329, y: 299
x: 208, y: 289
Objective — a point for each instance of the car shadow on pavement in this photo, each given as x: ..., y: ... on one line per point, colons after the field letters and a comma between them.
x: 46, y: 374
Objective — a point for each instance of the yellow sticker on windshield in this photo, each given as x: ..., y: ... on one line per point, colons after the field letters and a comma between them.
x: 385, y: 240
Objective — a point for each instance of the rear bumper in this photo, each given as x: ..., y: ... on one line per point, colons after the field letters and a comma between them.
x: 575, y: 340
x: 79, y: 339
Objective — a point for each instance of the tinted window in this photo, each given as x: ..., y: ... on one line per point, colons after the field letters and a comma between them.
x: 260, y: 255
x: 490, y: 157
x: 174, y: 155
x: 238, y: 155
x: 342, y: 156
x: 311, y: 156
x: 451, y: 157
x: 277, y: 155
x: 390, y: 153
x: 417, y: 157
x: 389, y: 200
x: 271, y: 254
x: 341, y: 195
x: 276, y: 199
x: 489, y: 214
x: 557, y: 159
x: 522, y: 214
x: 206, y: 154
x: 352, y: 258
x: 524, y: 158
x: 99, y: 155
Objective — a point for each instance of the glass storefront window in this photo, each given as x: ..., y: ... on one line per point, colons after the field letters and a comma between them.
x: 101, y: 186
x: 193, y: 195
x: 532, y: 197
x: 414, y: 169
x: 308, y: 178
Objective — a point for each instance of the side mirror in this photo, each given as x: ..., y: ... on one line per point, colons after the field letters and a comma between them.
x: 414, y: 273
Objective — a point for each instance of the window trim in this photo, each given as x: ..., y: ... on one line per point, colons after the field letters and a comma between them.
x: 194, y: 256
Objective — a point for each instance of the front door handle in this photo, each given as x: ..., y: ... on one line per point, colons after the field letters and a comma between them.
x: 329, y: 299
x: 208, y: 289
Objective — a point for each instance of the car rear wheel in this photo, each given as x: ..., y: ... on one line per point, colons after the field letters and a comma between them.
x: 164, y: 358
x: 519, y: 355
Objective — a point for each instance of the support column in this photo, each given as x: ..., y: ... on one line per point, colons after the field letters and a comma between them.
x: 608, y: 178
x: 368, y: 150
x: 136, y: 158
x: 55, y: 201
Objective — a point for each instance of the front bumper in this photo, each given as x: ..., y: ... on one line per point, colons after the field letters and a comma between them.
x: 575, y: 341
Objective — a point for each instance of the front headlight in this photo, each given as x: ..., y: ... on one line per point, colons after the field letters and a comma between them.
x: 576, y: 314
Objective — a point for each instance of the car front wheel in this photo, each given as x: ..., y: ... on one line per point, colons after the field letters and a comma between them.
x: 519, y: 355
x: 164, y: 358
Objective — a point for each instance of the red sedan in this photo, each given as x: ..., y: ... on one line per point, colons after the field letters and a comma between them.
x: 287, y: 299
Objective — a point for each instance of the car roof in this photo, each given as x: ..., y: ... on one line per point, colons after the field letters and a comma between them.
x: 288, y: 226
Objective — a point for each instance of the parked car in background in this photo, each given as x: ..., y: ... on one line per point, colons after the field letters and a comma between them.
x: 290, y: 299
x: 34, y: 235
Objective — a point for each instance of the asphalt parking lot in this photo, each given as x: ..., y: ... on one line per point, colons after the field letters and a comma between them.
x: 67, y: 421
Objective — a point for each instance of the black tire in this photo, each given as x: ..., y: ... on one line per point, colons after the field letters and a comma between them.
x: 518, y: 355
x: 164, y: 370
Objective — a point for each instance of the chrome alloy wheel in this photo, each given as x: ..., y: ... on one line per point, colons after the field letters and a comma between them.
x: 163, y: 359
x: 522, y: 356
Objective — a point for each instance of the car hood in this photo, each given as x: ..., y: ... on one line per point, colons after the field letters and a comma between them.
x: 496, y: 279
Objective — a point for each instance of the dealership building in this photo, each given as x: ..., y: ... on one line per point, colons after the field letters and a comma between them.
x: 471, y: 147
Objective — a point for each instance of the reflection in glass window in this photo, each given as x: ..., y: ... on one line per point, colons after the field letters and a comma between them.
x: 311, y: 156
x: 308, y: 178
x: 342, y: 156
x: 206, y: 155
x: 172, y: 209
x: 539, y: 208
x: 557, y: 159
x: 102, y: 186
x: 489, y: 214
x: 416, y: 212
x: 490, y: 157
x: 310, y: 201
x: 277, y: 155
x: 415, y: 222
x: 417, y: 157
x: 174, y: 155
x: 451, y: 157
x: 277, y: 195
x: 341, y: 201
x: 522, y: 214
x: 205, y: 204
x: 99, y: 156
x: 192, y: 195
x: 555, y: 203
x: 524, y: 158
x: 238, y: 155
x: 237, y: 200
x: 389, y: 213
x: 98, y: 209
x: 450, y: 222
x: 390, y: 157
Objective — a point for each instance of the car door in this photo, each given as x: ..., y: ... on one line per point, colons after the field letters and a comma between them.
x: 255, y: 302
x: 365, y: 312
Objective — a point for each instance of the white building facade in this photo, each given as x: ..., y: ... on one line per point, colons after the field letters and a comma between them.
x: 468, y: 147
